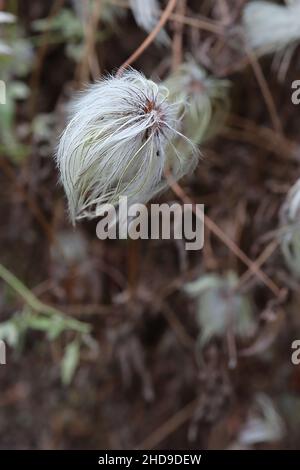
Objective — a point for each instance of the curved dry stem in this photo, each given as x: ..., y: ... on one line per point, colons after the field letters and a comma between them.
x: 150, y: 38
x: 213, y: 227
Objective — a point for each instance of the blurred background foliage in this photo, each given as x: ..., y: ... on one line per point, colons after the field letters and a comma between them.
x: 119, y: 345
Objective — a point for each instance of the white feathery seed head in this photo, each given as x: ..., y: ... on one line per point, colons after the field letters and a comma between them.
x: 270, y: 27
x: 290, y: 229
x: 122, y: 135
x: 206, y: 98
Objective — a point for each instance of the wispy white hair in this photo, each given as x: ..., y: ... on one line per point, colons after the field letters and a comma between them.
x: 206, y: 99
x: 122, y: 135
x: 146, y: 14
x: 271, y: 28
x: 290, y: 229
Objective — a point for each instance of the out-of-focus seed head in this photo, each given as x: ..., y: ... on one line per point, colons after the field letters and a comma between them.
x: 206, y: 99
x: 290, y: 229
x: 218, y: 305
x: 270, y: 27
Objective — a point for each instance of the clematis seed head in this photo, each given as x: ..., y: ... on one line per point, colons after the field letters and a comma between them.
x: 121, y: 137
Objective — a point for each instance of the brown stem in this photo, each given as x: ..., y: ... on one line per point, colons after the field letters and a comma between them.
x: 150, y: 38
x: 213, y: 227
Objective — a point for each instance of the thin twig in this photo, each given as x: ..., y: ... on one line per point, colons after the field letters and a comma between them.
x: 186, y: 340
x: 178, y: 37
x: 205, y: 24
x: 170, y: 426
x: 213, y: 227
x: 259, y: 262
x: 89, y: 61
x: 150, y: 38
x: 267, y: 95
